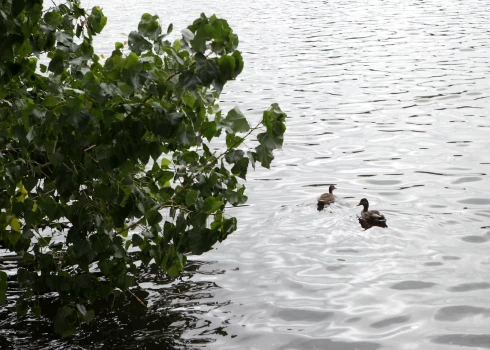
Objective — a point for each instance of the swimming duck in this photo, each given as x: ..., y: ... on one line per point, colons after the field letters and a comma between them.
x: 326, y: 198
x: 370, y: 215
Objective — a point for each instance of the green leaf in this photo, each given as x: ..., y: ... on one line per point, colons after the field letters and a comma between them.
x: 208, y: 130
x: 235, y: 121
x: 56, y: 159
x: 65, y: 321
x: 81, y: 309
x: 51, y: 101
x: 270, y: 141
x: 21, y: 307
x: 206, y: 70
x: 17, y: 7
x: 264, y: 156
x: 227, y: 68
x: 138, y: 44
x: 57, y: 64
x: 153, y: 217
x: 85, y: 281
x: 238, y: 63
x: 240, y: 168
x: 136, y: 240
x: 36, y: 309
x: 165, y: 163
x: 96, y: 21
x: 234, y: 156
x: 189, y: 80
x: 233, y: 141
x: 211, y: 204
x: 203, y: 34
x: 105, y: 266
x: 15, y: 225
x: 53, y: 18
x: 190, y: 197
x: 89, y: 316
x: 149, y: 27
x: 236, y: 197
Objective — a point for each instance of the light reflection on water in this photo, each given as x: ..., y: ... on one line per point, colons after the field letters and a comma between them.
x: 387, y: 100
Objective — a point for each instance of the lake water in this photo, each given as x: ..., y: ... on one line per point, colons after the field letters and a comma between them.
x: 388, y: 100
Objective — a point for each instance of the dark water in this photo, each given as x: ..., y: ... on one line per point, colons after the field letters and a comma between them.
x: 388, y: 100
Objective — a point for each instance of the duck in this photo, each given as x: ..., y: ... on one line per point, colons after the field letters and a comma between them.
x: 326, y: 198
x: 370, y: 215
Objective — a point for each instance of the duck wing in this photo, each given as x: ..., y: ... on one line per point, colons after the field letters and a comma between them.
x: 376, y: 215
x: 325, y: 199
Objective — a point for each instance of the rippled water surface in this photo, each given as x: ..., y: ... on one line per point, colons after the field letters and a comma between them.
x: 388, y: 100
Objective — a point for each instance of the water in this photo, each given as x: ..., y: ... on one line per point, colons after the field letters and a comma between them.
x: 388, y: 100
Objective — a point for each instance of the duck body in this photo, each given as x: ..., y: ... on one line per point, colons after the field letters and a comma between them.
x: 370, y: 215
x: 326, y: 198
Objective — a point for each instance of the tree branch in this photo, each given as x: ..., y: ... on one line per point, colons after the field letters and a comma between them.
x: 10, y: 258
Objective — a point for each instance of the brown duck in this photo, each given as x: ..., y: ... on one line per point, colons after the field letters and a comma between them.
x: 370, y: 215
x: 326, y: 198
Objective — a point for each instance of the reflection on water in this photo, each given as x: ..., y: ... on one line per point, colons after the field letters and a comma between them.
x: 390, y: 101
x: 173, y: 308
x: 367, y: 224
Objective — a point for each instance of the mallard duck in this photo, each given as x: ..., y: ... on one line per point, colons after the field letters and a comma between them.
x: 370, y: 215
x: 326, y: 198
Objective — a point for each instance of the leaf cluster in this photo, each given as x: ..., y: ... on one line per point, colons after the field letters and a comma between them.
x: 114, y: 153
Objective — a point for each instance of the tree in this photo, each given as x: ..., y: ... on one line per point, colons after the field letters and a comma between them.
x: 115, y: 153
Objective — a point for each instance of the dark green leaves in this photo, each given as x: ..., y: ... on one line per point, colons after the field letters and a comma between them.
x: 149, y: 27
x: 274, y: 121
x: 115, y: 153
x: 86, y: 316
x: 264, y: 155
x: 53, y: 18
x: 138, y: 44
x: 207, y: 70
x: 190, y: 197
x: 202, y: 35
x: 65, y: 321
x: 189, y: 80
x: 230, y: 66
x: 211, y: 204
x: 57, y: 63
x: 17, y: 7
x: 235, y: 121
x: 234, y: 156
x: 96, y: 21
x: 215, y: 32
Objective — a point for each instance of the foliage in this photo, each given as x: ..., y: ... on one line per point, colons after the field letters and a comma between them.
x: 102, y: 156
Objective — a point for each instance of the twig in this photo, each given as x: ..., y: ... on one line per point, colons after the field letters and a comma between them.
x: 136, y: 297
x: 137, y: 222
x: 89, y: 148
x: 10, y: 258
x: 171, y: 76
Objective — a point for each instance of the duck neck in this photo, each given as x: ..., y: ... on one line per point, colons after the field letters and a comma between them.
x: 366, y: 206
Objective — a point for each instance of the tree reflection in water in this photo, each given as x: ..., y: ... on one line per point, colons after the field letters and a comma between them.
x: 174, y: 308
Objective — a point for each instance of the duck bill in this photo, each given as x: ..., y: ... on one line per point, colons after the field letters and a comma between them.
x: 358, y: 205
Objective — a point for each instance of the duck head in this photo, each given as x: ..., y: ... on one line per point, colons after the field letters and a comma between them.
x: 364, y: 202
x: 331, y: 188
